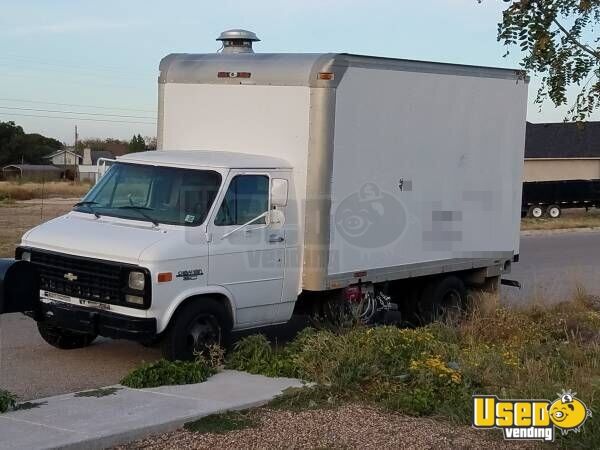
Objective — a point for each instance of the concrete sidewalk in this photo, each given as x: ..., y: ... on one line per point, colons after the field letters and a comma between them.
x: 105, y: 417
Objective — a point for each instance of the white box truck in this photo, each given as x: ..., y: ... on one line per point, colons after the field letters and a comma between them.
x: 285, y: 182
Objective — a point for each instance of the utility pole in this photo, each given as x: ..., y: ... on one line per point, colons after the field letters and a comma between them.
x: 74, y: 151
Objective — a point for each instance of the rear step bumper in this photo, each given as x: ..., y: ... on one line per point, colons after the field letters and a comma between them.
x: 107, y: 324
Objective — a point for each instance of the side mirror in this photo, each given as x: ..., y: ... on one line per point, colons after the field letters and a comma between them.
x: 279, y: 192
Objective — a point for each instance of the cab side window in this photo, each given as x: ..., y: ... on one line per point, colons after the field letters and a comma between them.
x: 246, y: 198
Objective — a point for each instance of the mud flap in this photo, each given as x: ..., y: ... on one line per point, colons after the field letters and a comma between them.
x: 19, y: 286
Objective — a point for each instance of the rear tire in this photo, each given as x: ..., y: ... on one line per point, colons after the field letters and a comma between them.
x: 64, y: 339
x: 443, y: 299
x: 553, y: 211
x: 535, y: 211
x: 195, y: 327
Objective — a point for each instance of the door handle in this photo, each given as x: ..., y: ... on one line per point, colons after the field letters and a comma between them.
x: 276, y: 239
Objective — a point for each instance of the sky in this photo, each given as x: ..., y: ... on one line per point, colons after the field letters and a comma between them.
x: 94, y: 64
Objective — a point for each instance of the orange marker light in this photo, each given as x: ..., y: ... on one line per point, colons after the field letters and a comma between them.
x: 165, y: 277
x: 328, y: 76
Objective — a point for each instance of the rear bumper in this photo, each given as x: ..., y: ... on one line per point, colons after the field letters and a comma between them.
x: 107, y: 324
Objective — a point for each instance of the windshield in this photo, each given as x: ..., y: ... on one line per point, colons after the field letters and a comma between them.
x: 153, y: 194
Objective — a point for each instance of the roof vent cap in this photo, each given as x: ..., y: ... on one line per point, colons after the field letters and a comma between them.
x: 237, y: 41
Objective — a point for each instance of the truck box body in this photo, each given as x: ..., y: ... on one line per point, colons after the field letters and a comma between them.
x: 402, y: 168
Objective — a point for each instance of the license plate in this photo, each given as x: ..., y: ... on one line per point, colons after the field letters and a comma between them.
x: 75, y: 300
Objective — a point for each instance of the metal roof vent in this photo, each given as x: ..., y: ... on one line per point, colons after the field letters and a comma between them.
x: 237, y: 41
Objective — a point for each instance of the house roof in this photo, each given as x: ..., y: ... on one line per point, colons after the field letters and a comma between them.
x: 33, y: 167
x: 60, y: 152
x: 562, y: 140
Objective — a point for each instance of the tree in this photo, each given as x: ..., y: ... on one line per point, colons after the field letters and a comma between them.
x: 137, y: 144
x: 560, y: 42
x: 16, y: 146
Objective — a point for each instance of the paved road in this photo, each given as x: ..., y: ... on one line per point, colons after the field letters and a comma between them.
x: 551, y: 267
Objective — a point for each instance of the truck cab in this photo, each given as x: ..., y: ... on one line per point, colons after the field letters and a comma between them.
x: 160, y: 230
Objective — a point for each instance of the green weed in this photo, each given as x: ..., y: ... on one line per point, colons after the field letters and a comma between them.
x: 222, y: 423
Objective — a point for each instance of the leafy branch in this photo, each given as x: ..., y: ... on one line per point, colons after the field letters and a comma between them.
x: 552, y: 35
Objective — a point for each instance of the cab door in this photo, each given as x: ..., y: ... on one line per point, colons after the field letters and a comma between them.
x: 248, y: 261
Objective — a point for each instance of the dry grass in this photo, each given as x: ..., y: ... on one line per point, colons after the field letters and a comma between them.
x: 16, y: 218
x: 55, y: 189
x: 573, y: 218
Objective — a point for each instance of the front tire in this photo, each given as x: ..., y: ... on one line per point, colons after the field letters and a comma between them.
x: 195, y: 327
x: 63, y: 338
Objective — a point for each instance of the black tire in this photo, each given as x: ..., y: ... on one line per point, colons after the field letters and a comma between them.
x: 553, y: 211
x: 64, y: 339
x: 196, y: 326
x: 443, y: 299
x: 535, y: 211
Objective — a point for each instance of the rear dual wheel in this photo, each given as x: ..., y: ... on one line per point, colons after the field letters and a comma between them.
x: 442, y: 299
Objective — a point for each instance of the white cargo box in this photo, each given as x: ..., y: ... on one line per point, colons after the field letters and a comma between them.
x: 402, y: 168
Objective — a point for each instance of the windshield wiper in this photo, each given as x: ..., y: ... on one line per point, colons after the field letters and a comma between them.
x: 88, y: 204
x: 141, y: 210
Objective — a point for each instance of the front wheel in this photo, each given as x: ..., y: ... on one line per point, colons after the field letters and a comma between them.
x: 195, y: 327
x: 63, y: 338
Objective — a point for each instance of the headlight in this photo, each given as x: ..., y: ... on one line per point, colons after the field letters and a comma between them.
x: 137, y: 281
x: 26, y: 256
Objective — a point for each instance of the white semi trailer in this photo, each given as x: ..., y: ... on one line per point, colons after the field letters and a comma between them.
x: 282, y: 182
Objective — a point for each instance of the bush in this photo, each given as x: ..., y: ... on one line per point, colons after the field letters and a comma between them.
x: 162, y: 373
x: 8, y: 401
x: 513, y: 353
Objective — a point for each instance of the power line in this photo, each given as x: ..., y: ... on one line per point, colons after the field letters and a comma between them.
x: 18, y: 100
x: 67, y: 64
x: 81, y: 118
x: 76, y: 112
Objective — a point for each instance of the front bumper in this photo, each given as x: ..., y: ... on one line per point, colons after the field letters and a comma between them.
x: 103, y: 323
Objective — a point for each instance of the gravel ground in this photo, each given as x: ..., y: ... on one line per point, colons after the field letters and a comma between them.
x: 347, y: 427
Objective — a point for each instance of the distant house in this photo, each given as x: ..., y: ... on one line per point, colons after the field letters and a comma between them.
x: 88, y: 168
x: 32, y: 172
x: 64, y: 157
x: 562, y: 151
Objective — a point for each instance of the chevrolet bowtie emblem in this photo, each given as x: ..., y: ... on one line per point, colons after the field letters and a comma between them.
x: 70, y: 276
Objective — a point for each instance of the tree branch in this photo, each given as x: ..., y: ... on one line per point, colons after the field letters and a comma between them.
x: 567, y: 33
x: 572, y: 38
